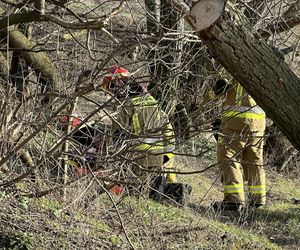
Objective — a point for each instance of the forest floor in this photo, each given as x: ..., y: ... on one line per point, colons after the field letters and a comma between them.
x: 128, y: 222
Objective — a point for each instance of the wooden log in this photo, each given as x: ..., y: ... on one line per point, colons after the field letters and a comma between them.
x: 252, y: 62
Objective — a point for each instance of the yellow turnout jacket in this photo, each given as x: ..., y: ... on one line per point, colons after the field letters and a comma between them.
x: 240, y: 110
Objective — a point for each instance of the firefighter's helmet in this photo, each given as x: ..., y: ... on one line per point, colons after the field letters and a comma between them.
x: 120, y: 83
x: 115, y: 78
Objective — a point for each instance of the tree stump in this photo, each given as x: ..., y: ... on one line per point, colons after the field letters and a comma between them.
x: 206, y: 12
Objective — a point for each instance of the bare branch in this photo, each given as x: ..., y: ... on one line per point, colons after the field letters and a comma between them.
x: 253, y: 10
x: 289, y: 20
x: 40, y: 6
x: 33, y: 16
x: 17, y: 5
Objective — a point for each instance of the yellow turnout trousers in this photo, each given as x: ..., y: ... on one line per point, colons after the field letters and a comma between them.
x: 240, y: 154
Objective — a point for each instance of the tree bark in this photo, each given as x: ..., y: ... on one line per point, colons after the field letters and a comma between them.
x: 3, y: 68
x: 39, y: 62
x: 153, y: 16
x: 266, y: 77
x: 19, y: 70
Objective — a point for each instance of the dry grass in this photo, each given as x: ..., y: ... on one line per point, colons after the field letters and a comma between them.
x: 87, y: 220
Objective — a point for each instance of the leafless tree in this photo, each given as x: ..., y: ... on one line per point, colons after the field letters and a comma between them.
x: 55, y: 53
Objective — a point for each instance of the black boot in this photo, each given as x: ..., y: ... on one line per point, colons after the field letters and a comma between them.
x: 157, y: 188
x: 178, y: 192
x: 227, y: 206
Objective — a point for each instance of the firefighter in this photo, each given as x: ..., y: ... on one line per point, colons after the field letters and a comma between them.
x: 145, y: 128
x: 240, y: 147
x: 138, y: 122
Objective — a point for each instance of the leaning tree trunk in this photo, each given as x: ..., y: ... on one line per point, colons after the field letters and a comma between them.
x: 19, y: 70
x: 38, y: 61
x: 266, y: 77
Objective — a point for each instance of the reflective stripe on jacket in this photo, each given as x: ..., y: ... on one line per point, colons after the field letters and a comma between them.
x: 169, y: 139
x: 148, y: 122
x: 240, y: 110
x: 144, y: 125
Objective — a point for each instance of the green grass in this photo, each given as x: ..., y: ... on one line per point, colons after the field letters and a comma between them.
x: 184, y: 229
x: 151, y: 225
x: 283, y: 188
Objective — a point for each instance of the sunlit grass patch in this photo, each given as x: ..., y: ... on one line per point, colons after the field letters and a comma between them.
x: 282, y: 187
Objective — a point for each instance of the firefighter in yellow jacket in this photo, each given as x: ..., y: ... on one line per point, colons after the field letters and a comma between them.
x: 240, y: 147
x: 142, y: 126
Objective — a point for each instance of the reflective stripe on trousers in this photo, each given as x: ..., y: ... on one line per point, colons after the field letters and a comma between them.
x: 261, y: 189
x: 233, y: 189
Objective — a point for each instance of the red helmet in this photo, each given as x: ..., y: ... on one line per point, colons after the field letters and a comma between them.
x: 116, y: 74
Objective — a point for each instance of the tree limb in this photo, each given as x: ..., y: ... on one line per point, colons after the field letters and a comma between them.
x: 288, y: 20
x: 267, y: 78
x: 33, y: 16
x: 40, y: 62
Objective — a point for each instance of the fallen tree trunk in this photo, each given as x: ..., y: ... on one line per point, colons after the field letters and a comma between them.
x: 266, y: 77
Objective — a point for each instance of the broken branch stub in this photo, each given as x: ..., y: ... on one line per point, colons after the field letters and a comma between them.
x: 206, y: 12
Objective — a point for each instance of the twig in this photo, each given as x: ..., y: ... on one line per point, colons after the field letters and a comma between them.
x: 23, y: 143
x: 184, y: 230
x: 118, y: 213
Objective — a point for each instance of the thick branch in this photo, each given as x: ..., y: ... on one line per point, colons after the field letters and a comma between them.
x: 267, y: 78
x: 40, y: 62
x: 34, y: 16
x: 39, y: 15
